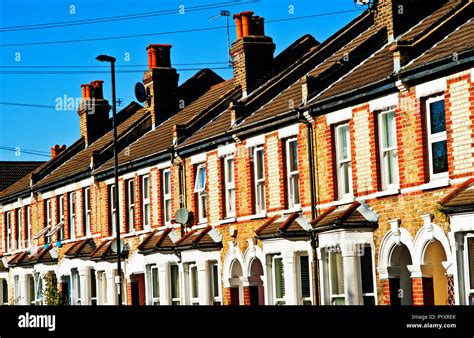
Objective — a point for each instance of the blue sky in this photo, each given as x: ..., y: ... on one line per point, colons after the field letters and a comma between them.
x: 39, y: 129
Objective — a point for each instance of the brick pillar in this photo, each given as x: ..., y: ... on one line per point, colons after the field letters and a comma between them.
x: 128, y: 290
x: 423, y: 293
x: 451, y: 292
x: 385, y: 291
x: 226, y: 296
x: 246, y: 295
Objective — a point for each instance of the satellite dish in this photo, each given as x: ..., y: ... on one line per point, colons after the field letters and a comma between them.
x: 114, y: 246
x: 140, y: 92
x: 181, y: 216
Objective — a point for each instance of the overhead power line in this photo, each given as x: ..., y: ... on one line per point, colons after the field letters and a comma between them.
x: 122, y: 17
x: 189, y: 30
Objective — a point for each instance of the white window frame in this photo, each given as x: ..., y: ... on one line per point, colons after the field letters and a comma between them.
x: 193, y: 298
x: 146, y: 202
x: 260, y: 191
x: 102, y: 287
x: 201, y: 194
x: 167, y: 215
x: 278, y: 300
x: 94, y: 300
x: 229, y: 186
x: 72, y: 214
x: 214, y: 299
x: 292, y: 202
x: 112, y: 209
x: 31, y: 296
x: 76, y: 287
x: 8, y: 239
x: 431, y: 139
x: 87, y: 211
x: 18, y: 228
x: 340, y: 163
x: 385, y: 152
x: 130, y: 199
x: 49, y: 219
x: 16, y: 290
x: 28, y: 225
x: 154, y: 299
x: 174, y: 300
x: 332, y: 295
x: 61, y: 216
x: 39, y: 297
x: 309, y: 299
x: 469, y: 293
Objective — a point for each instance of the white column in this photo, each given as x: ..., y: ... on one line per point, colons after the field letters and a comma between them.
x: 352, y: 287
x: 164, y: 284
x: 83, y: 281
x: 290, y: 281
x: 111, y: 295
x: 323, y: 275
x: 203, y: 283
x: 23, y: 290
x: 269, y: 299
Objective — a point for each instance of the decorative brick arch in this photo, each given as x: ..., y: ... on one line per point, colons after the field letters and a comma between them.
x: 253, y: 252
x: 233, y: 254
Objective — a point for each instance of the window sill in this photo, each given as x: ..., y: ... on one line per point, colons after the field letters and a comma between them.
x: 227, y: 220
x: 434, y: 184
x: 388, y: 192
x: 259, y: 216
x: 292, y: 210
x: 345, y: 200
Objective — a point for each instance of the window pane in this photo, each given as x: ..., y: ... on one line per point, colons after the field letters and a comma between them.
x: 470, y: 252
x: 167, y: 182
x: 293, y: 155
x: 231, y: 201
x: 201, y: 177
x: 389, y: 138
x: 215, y: 281
x: 294, y: 189
x: 154, y: 282
x: 304, y: 277
x: 131, y: 192
x: 93, y: 284
x: 366, y: 270
x: 391, y: 162
x: 344, y: 142
x: 146, y: 212
x: 146, y: 187
x: 32, y: 289
x: 174, y: 281
x: 5, y: 291
x: 337, y: 273
x: 437, y: 117
x: 194, y: 282
x: 167, y: 210
x: 440, y: 157
x: 259, y: 161
x: 279, y: 278
x: 230, y: 170
x: 345, y: 178
x: 260, y: 197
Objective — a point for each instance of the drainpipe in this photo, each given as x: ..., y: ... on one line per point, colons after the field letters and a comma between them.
x: 313, y: 235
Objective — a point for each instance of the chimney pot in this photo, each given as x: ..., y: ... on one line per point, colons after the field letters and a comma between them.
x: 238, y: 26
x: 159, y: 55
x: 246, y: 21
x: 97, y: 91
x: 57, y: 149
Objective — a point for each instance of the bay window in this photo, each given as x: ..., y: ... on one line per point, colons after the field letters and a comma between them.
x: 146, y: 201
x: 130, y: 200
x: 292, y: 173
x: 174, y: 283
x: 336, y: 278
x: 214, y: 284
x: 259, y: 177
x: 229, y: 186
x: 367, y: 275
x: 278, y: 280
x: 343, y: 161
x: 304, y: 279
x: 436, y: 137
x: 76, y: 287
x: 193, y: 284
x: 167, y: 196
x: 200, y: 190
x: 93, y: 286
x: 388, y: 150
x: 154, y: 285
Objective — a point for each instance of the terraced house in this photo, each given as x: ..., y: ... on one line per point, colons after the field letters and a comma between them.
x: 333, y: 173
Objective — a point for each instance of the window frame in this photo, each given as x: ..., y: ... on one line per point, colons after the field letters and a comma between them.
x: 259, y: 183
x: 39, y: 290
x: 18, y: 228
x: 434, y: 138
x: 278, y: 300
x: 174, y: 300
x: 292, y: 203
x: 146, y: 208
x: 72, y: 214
x: 76, y: 287
x: 93, y: 281
x: 339, y: 163
x: 8, y: 229
x: 87, y: 211
x: 384, y: 152
x: 154, y: 299
x: 332, y: 295
x: 130, y: 200
x: 229, y: 187
x: 28, y: 224
x: 215, y: 300
x: 61, y: 217
x: 373, y: 294
x: 201, y: 194
x: 193, y: 298
x: 113, y: 211
x: 304, y: 300
x: 48, y: 219
x: 167, y: 204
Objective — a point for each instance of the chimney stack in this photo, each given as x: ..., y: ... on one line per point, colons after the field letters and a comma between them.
x: 57, y: 149
x: 93, y: 112
x: 252, y: 52
x: 161, y: 83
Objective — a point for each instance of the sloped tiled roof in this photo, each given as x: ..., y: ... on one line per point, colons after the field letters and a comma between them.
x: 284, y: 227
x: 12, y: 171
x: 350, y: 215
x: 460, y: 199
x: 82, y: 248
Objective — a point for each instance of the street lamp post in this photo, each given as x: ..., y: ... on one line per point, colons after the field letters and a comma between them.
x: 118, y: 278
